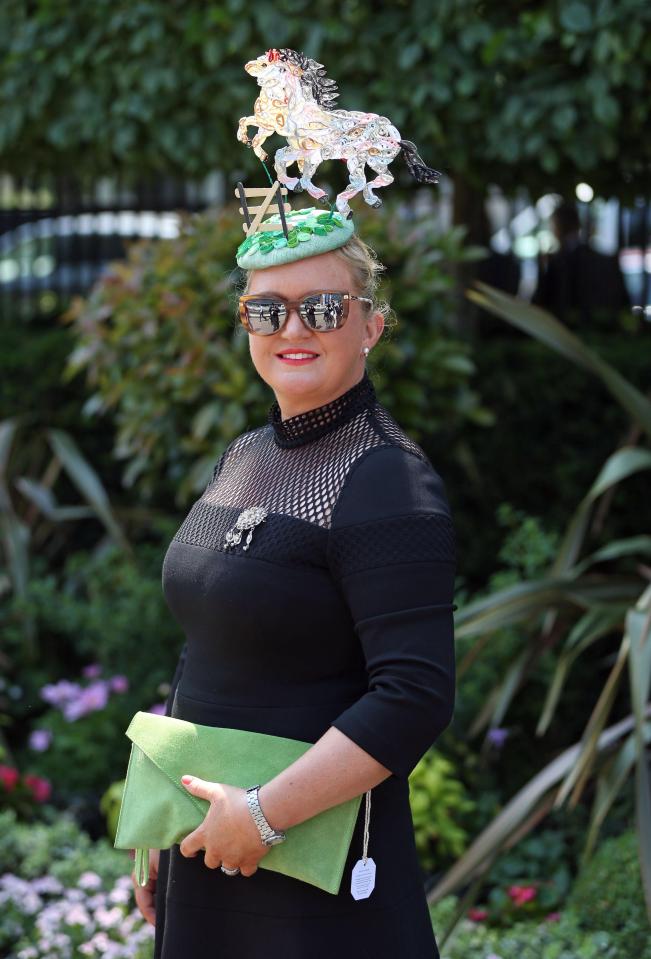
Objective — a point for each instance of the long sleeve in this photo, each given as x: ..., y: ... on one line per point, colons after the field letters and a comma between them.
x: 392, y: 551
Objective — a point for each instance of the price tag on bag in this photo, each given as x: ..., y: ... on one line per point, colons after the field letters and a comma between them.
x: 362, y: 882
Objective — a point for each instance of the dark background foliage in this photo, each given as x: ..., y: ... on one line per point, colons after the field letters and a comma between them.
x: 539, y: 89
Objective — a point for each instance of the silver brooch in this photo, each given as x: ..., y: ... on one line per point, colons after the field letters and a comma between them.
x: 248, y: 519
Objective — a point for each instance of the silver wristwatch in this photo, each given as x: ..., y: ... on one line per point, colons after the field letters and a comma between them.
x: 269, y: 836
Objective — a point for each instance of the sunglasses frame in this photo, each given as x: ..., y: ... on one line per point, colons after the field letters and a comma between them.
x: 296, y: 304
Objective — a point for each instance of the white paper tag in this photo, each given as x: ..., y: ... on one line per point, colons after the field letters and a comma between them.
x: 362, y: 882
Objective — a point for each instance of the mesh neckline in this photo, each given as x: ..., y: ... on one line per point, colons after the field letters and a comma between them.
x: 311, y: 424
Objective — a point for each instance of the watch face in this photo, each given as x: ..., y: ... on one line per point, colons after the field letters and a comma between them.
x: 274, y: 840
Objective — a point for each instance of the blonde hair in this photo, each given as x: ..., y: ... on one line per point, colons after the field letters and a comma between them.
x: 365, y: 269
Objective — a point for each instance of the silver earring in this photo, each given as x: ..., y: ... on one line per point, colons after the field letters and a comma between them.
x: 366, y: 351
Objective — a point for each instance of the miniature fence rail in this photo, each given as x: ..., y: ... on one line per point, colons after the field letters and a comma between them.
x: 268, y: 195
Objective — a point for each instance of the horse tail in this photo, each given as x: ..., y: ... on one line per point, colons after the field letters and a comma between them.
x: 416, y: 166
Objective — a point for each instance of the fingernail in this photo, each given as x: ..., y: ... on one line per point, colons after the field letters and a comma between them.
x: 186, y: 779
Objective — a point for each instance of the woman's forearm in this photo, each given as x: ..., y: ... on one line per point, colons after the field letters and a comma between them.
x: 332, y: 771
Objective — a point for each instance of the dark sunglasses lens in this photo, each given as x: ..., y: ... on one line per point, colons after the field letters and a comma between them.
x: 323, y: 311
x: 264, y: 315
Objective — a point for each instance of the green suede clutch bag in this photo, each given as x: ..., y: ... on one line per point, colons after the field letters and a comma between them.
x: 157, y: 811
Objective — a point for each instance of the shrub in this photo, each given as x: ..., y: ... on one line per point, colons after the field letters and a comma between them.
x: 438, y: 800
x: 558, y: 937
x: 607, y: 894
x: 104, y: 612
x: 63, y: 896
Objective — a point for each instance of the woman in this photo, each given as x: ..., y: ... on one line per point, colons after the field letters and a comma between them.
x: 334, y: 626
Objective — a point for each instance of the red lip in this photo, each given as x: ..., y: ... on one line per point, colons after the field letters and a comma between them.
x: 283, y: 352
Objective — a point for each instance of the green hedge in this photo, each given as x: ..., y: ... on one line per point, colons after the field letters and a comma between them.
x: 608, y: 895
x: 491, y: 93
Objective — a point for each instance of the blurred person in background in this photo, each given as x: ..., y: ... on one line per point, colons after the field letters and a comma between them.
x: 580, y: 286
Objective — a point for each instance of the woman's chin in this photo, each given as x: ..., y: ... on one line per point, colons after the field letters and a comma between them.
x: 298, y: 379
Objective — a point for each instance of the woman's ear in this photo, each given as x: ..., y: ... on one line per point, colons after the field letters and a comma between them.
x: 374, y: 327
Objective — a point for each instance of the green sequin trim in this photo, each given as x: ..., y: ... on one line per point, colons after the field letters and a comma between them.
x: 301, y: 226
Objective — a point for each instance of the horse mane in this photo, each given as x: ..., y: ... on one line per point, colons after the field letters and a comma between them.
x: 314, y: 80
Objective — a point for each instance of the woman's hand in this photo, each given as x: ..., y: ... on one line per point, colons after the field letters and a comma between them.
x: 228, y: 833
x: 146, y: 895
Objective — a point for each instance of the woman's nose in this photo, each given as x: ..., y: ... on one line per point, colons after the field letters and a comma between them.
x: 294, y: 324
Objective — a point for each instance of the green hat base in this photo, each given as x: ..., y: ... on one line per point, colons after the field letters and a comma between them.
x: 310, y: 232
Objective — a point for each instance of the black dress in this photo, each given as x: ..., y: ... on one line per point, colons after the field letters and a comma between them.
x: 339, y: 613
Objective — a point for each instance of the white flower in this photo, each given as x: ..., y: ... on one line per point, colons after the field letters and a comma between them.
x: 120, y: 895
x: 100, y: 942
x: 77, y: 915
x: 107, y: 918
x: 75, y: 895
x: 90, y: 880
x: 47, y: 884
x: 97, y: 901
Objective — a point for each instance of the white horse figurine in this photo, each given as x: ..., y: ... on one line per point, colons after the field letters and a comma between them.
x: 295, y: 101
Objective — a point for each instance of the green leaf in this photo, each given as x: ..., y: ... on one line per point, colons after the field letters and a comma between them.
x: 632, y: 546
x: 618, y: 467
x: 409, y: 56
x: 576, y: 17
x: 606, y: 110
x: 43, y: 497
x: 87, y: 481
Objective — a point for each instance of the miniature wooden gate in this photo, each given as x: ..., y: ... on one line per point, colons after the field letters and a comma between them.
x: 268, y: 195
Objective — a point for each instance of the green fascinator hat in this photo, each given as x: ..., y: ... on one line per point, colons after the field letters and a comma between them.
x: 309, y: 232
x: 297, y: 101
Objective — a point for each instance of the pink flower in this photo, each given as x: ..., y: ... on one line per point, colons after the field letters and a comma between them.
x: 158, y: 708
x: 119, y: 684
x: 9, y: 776
x: 497, y: 735
x: 59, y: 693
x: 91, y: 699
x: 553, y: 916
x: 477, y: 914
x: 92, y: 671
x: 522, y: 894
x: 41, y: 788
x: 40, y: 739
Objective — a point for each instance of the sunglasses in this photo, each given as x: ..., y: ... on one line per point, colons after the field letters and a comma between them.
x: 322, y: 311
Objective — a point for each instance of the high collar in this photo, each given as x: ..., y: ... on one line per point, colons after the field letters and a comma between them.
x: 311, y: 424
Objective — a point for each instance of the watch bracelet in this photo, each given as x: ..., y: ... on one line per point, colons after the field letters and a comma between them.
x: 264, y: 828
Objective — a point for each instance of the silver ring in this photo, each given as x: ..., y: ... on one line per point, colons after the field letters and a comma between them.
x: 230, y: 872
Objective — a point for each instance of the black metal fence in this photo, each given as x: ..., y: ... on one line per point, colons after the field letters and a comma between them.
x: 57, y: 235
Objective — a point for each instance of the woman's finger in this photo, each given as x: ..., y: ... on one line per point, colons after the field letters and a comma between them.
x: 212, y: 862
x: 145, y: 897
x: 192, y: 843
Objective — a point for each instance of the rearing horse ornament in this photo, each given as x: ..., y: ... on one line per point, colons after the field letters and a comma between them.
x: 296, y: 100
